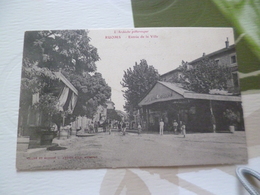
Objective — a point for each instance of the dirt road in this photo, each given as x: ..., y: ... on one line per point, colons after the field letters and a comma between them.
x: 133, y: 150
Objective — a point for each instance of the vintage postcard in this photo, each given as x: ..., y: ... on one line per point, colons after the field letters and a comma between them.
x: 144, y: 97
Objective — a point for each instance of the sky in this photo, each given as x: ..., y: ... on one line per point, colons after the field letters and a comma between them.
x: 164, y: 48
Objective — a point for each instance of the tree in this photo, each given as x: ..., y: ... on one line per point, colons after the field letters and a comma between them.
x: 68, y: 50
x: 205, y: 76
x: 113, y: 115
x: 137, y: 81
x: 93, y: 91
x: 46, y: 52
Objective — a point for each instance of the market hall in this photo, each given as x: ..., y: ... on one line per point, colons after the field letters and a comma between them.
x: 199, y: 112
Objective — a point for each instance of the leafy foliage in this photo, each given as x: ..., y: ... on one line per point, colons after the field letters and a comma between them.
x: 231, y: 116
x: 46, y: 52
x: 36, y: 80
x: 68, y: 50
x: 113, y: 115
x: 93, y: 91
x: 47, y: 104
x: 204, y: 76
x: 137, y: 81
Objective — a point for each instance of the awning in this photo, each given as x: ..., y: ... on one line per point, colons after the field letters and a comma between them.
x: 161, y: 93
x: 69, y: 95
x: 60, y: 76
x: 165, y: 91
x: 212, y: 97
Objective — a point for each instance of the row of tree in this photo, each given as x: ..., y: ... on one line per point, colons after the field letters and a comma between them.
x: 70, y: 52
x: 202, y: 78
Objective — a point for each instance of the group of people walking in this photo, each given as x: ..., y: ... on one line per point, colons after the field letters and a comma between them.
x: 175, y: 124
x: 107, y: 126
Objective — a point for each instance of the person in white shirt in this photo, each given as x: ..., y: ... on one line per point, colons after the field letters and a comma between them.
x: 139, y: 128
x: 175, y: 126
x: 161, y: 127
x: 183, y: 130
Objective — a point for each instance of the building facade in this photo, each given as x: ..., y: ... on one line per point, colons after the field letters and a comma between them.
x: 34, y: 123
x: 223, y: 57
x: 83, y: 122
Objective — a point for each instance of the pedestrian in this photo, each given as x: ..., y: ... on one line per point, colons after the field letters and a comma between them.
x: 139, y: 128
x: 179, y: 127
x: 109, y: 126
x: 119, y: 126
x: 175, y: 126
x: 104, y: 126
x: 96, y: 126
x: 124, y: 128
x: 69, y: 130
x: 183, y: 130
x: 91, y: 127
x: 161, y: 127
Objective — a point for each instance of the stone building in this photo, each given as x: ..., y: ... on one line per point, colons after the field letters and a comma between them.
x: 37, y: 125
x: 83, y: 122
x: 223, y: 57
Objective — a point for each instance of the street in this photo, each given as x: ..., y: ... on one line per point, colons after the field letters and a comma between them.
x: 132, y: 150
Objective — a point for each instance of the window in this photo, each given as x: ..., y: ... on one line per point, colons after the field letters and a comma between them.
x: 233, y: 59
x: 217, y: 61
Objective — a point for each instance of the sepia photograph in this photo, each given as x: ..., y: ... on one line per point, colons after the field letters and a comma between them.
x: 119, y: 98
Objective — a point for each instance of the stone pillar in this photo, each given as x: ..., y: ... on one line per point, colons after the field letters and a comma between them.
x: 213, y: 120
x: 147, y: 119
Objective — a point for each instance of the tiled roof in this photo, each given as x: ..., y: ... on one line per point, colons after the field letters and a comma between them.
x: 175, y: 70
x: 213, y: 53
x: 176, y: 87
x: 200, y: 58
x: 192, y: 95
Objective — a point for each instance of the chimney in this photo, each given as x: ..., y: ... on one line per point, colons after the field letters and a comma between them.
x: 203, y: 54
x: 227, y: 43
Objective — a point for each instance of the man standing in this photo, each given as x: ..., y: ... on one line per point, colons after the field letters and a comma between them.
x: 109, y: 126
x: 119, y: 126
x: 161, y: 127
x: 139, y: 128
x: 91, y: 127
x: 124, y: 128
x: 96, y: 126
x: 183, y: 130
x: 175, y: 126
